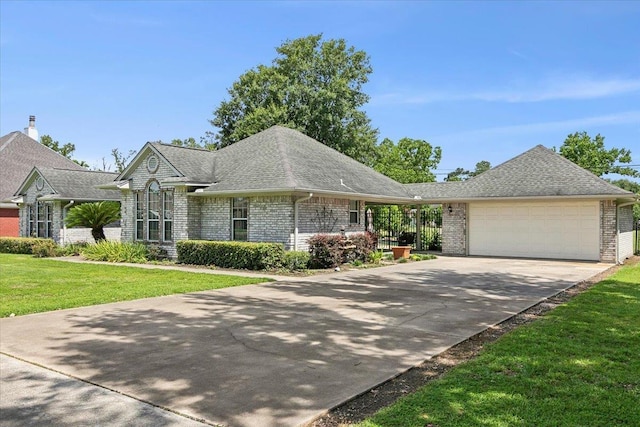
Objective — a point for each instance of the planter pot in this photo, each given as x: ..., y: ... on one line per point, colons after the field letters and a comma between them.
x: 401, y: 251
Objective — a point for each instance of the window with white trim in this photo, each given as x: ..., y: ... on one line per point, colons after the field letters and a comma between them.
x: 239, y: 218
x: 153, y: 211
x: 354, y: 212
x: 139, y: 201
x: 167, y: 215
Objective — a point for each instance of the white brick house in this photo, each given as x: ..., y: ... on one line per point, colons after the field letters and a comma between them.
x: 47, y: 194
x: 282, y: 186
x: 276, y: 186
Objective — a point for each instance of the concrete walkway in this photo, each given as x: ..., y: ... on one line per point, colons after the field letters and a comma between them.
x: 276, y: 354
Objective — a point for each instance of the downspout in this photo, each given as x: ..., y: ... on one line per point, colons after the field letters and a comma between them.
x: 295, y: 219
x: 64, y: 223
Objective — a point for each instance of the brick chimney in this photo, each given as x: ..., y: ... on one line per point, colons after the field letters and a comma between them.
x: 31, y: 131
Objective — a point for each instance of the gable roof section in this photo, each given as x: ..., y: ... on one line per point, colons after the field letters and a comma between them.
x: 280, y: 159
x: 537, y: 173
x: 19, y: 154
x: 70, y: 184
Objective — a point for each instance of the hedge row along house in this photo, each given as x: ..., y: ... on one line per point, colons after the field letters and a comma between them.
x: 282, y: 186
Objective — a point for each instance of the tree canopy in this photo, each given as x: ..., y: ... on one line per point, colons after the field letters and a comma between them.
x: 591, y: 154
x: 66, y: 150
x: 313, y: 86
x: 461, y: 174
x: 409, y: 161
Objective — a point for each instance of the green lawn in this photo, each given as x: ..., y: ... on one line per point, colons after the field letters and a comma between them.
x: 577, y: 366
x: 33, y: 285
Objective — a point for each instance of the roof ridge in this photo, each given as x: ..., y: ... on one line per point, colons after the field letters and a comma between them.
x: 286, y: 165
x: 8, y: 141
x: 166, y: 144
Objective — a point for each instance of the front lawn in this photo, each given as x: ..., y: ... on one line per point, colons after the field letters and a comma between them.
x: 33, y: 285
x: 577, y: 366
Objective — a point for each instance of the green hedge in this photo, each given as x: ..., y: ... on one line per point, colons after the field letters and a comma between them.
x: 24, y: 245
x: 247, y: 255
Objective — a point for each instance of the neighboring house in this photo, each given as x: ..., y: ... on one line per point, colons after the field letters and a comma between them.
x: 46, y: 195
x: 19, y: 153
x: 282, y: 186
x: 536, y: 205
x: 276, y: 186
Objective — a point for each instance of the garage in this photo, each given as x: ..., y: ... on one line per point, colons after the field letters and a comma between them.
x: 535, y: 229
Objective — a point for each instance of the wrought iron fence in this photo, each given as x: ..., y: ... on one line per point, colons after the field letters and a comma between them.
x: 636, y: 240
x: 398, y: 226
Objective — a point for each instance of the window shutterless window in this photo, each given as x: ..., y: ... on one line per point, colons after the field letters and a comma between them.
x: 354, y: 212
x: 239, y: 218
x: 139, y: 201
x: 167, y: 214
x: 153, y: 211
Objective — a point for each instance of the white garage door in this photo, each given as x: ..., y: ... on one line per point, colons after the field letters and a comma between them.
x: 564, y: 230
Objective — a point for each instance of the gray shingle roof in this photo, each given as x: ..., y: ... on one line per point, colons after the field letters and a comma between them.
x: 194, y: 163
x: 75, y: 184
x: 19, y: 154
x: 283, y: 159
x: 539, y: 172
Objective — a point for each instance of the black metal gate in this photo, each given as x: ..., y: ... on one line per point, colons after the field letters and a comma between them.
x: 398, y: 226
x: 636, y: 240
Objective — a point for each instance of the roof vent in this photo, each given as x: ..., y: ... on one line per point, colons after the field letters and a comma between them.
x: 31, y: 131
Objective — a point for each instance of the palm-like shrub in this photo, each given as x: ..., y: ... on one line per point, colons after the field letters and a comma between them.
x: 94, y: 216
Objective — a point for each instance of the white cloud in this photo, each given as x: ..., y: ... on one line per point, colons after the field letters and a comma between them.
x: 626, y: 117
x: 563, y: 88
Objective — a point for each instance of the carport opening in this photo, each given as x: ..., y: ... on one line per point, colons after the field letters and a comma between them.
x: 418, y: 226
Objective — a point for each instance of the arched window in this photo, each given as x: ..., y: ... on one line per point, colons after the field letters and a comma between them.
x: 153, y: 211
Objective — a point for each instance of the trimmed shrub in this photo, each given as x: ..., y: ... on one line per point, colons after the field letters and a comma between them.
x: 331, y: 250
x: 246, y: 255
x: 111, y: 251
x: 20, y: 245
x: 45, y: 248
x: 326, y: 250
x: 296, y: 260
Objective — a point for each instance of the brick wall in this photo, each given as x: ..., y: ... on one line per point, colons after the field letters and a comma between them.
x: 271, y: 220
x: 608, y: 231
x: 326, y: 215
x: 81, y: 235
x: 215, y: 218
x: 454, y: 229
x: 9, y: 222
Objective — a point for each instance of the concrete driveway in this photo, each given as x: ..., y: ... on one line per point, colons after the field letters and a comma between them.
x: 276, y: 354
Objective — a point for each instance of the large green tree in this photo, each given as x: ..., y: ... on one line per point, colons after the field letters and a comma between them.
x: 313, y: 86
x: 625, y: 184
x: 591, y: 154
x: 461, y: 174
x: 66, y: 150
x: 94, y: 216
x: 409, y: 161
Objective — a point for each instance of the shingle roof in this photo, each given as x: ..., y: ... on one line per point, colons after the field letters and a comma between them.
x: 283, y: 159
x: 539, y: 172
x: 196, y: 164
x: 75, y: 184
x: 19, y: 154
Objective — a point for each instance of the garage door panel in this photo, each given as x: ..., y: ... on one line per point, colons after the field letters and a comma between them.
x: 567, y: 230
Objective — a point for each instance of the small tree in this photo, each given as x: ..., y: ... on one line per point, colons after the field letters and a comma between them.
x: 94, y: 216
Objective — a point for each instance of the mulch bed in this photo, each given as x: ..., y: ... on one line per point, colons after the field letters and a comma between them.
x: 385, y: 394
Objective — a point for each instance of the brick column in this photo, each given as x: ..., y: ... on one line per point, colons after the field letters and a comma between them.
x: 608, y: 231
x: 454, y: 229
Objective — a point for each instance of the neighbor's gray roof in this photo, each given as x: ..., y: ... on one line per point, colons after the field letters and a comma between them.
x: 19, y: 154
x: 75, y: 184
x: 283, y: 159
x: 539, y: 172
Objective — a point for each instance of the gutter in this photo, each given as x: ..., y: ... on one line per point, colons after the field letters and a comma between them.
x: 295, y: 218
x: 65, y: 208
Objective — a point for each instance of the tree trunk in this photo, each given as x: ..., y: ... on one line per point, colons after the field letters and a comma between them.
x: 98, y: 234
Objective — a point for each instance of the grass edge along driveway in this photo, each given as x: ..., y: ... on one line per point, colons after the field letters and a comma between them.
x: 578, y: 365
x: 34, y: 285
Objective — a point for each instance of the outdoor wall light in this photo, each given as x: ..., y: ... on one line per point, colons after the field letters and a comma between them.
x: 450, y: 209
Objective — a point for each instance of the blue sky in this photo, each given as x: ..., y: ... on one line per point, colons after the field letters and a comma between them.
x: 482, y: 80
